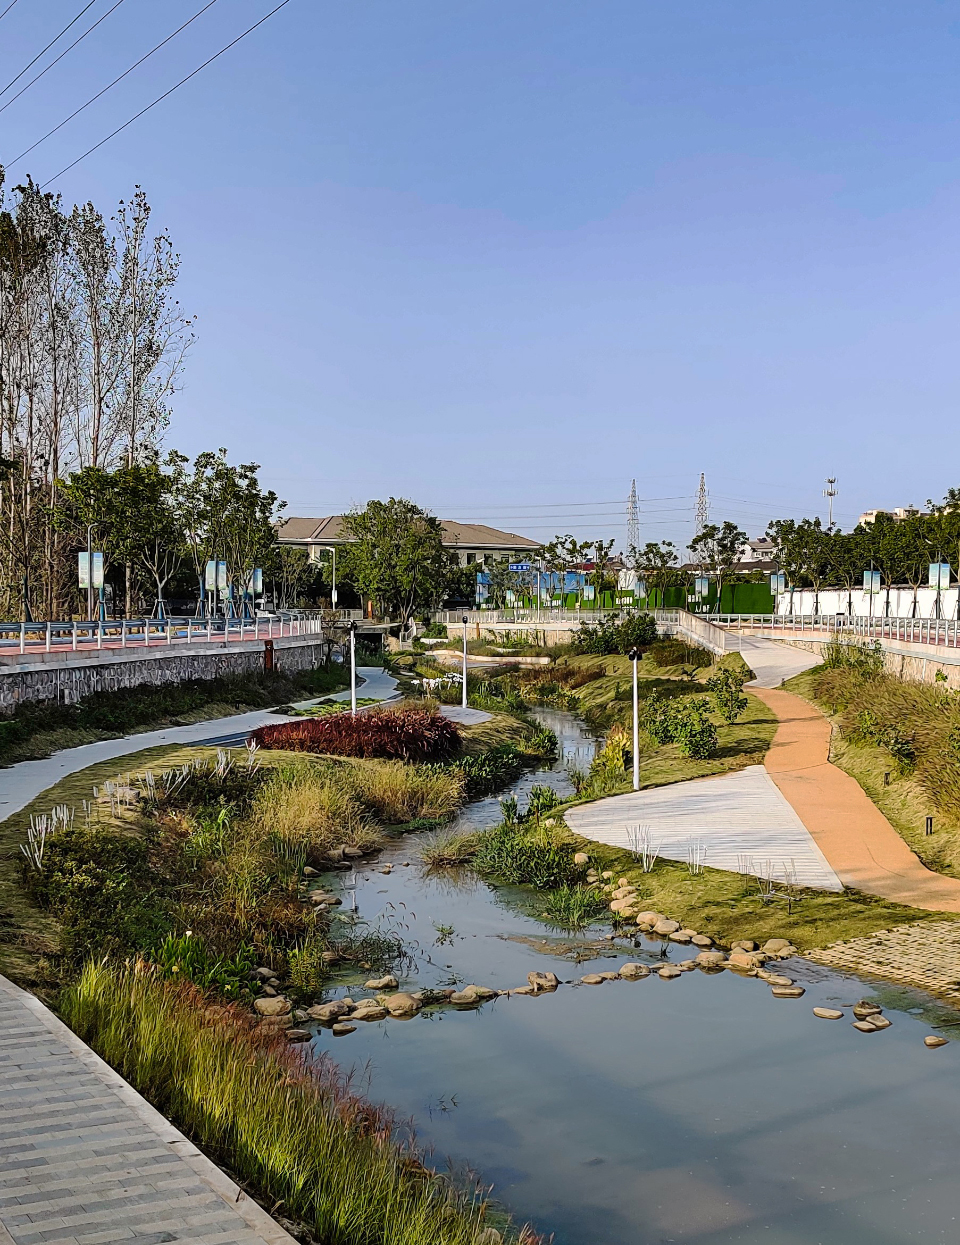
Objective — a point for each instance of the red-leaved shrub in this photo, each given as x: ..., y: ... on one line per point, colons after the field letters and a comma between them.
x: 408, y: 734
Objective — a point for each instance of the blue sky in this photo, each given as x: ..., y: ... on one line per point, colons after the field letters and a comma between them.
x: 501, y: 258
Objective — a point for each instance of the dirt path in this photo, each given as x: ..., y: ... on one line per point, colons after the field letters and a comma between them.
x: 864, y: 849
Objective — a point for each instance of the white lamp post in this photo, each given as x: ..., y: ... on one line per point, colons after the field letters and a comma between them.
x: 353, y: 668
x: 634, y: 656
x: 464, y: 661
x: 333, y: 586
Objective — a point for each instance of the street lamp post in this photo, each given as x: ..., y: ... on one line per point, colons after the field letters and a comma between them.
x: 464, y: 661
x: 353, y: 668
x: 634, y: 656
x: 333, y: 585
x: 90, y: 527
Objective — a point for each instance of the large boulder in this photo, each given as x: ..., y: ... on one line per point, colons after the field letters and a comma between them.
x: 775, y: 945
x: 369, y: 1009
x: 382, y: 983
x: 327, y: 1013
x: 543, y: 981
x: 272, y: 1007
x: 663, y: 926
x: 711, y: 959
x: 402, y: 1004
x: 633, y: 972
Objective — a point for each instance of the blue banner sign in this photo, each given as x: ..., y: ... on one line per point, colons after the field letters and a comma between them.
x: 520, y: 566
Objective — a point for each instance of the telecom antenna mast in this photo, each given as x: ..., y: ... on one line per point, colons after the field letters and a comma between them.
x: 830, y: 493
x: 702, y: 512
x: 633, y: 519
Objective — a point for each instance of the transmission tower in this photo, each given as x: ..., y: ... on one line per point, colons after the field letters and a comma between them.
x: 830, y: 493
x: 633, y: 518
x: 702, y: 512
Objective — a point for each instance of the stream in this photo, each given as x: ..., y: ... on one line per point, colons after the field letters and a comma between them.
x: 700, y: 1109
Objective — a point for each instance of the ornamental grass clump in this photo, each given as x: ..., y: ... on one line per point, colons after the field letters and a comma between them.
x: 405, y: 734
x: 525, y: 857
x: 283, y: 1120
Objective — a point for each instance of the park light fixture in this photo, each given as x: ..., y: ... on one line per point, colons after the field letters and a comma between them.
x: 634, y: 656
x: 465, y: 620
x: 353, y: 668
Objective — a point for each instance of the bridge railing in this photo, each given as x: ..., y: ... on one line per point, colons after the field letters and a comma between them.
x: 28, y: 637
x: 944, y: 632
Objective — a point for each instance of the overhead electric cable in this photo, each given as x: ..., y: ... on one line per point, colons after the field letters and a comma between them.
x: 7, y: 9
x: 90, y: 4
x: 56, y: 59
x: 160, y: 98
x: 94, y: 98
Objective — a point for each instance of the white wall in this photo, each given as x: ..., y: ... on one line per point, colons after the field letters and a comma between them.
x: 901, y: 602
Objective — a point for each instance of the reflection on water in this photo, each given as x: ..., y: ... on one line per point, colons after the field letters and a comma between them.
x: 696, y: 1110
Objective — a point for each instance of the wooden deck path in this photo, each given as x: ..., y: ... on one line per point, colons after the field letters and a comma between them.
x: 84, y: 1160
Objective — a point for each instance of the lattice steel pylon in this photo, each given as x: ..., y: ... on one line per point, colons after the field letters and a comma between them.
x: 633, y: 518
x: 702, y: 512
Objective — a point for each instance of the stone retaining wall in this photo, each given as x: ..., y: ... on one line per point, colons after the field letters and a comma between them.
x: 71, y: 676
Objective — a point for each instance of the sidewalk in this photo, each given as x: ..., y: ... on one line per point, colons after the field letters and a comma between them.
x: 864, y: 849
x: 85, y: 1159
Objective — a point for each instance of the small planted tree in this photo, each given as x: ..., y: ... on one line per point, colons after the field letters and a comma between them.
x: 692, y: 730
x: 726, y: 686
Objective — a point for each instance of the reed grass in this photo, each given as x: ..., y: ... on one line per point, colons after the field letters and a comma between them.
x: 448, y: 847
x: 314, y: 807
x: 400, y: 793
x: 286, y: 1123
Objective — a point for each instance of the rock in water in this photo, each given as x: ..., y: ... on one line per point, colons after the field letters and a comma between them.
x: 788, y: 992
x: 828, y: 1013
x: 879, y: 1022
x: 592, y: 979
x: 710, y: 959
x: 543, y: 981
x: 370, y: 1010
x: 863, y: 1009
x: 341, y: 1030
x: 402, y: 1004
x: 665, y: 927
x: 298, y: 1035
x: 327, y: 1013
x: 933, y: 1041
x: 774, y: 979
x: 668, y: 972
x: 633, y: 972
x: 775, y: 945
x: 382, y: 983
x: 702, y: 940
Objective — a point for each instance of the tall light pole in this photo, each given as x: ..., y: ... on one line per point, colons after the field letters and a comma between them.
x: 464, y: 661
x: 90, y: 527
x: 353, y: 668
x: 634, y: 656
x: 333, y: 587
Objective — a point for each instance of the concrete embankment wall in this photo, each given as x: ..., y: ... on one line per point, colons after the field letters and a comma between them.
x: 64, y: 678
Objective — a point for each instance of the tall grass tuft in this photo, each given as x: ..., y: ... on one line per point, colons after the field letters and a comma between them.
x: 573, y: 907
x: 282, y: 1121
x: 448, y: 847
x: 313, y: 807
x: 399, y: 793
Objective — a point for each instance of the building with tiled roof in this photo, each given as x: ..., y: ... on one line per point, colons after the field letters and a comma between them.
x: 471, y: 542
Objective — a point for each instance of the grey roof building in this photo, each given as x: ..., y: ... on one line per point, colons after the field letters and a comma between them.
x: 470, y: 542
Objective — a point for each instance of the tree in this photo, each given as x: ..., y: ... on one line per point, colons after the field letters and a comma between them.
x: 657, y: 563
x: 501, y: 580
x: 396, y: 557
x: 719, y: 550
x: 601, y: 551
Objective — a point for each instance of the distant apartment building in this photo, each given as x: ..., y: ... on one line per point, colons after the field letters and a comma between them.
x: 898, y: 515
x: 469, y: 542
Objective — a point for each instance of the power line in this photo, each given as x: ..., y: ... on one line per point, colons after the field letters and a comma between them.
x: 7, y: 9
x: 49, y: 45
x: 160, y: 98
x: 94, y: 98
x: 59, y: 58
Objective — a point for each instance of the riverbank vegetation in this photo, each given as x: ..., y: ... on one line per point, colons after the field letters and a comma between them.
x: 287, y: 1124
x: 900, y: 740
x: 38, y: 729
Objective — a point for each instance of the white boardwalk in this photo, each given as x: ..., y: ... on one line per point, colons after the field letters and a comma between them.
x: 741, y: 820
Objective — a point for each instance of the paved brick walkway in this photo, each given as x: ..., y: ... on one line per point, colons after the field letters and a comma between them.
x: 925, y: 955
x: 84, y: 1159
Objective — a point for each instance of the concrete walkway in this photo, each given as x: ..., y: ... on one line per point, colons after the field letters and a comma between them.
x: 85, y: 1160
x: 741, y: 821
x: 772, y: 661
x: 466, y: 717
x: 20, y: 784
x: 856, y: 838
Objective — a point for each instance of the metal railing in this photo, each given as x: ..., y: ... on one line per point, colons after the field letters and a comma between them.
x: 59, y: 637
x: 944, y: 632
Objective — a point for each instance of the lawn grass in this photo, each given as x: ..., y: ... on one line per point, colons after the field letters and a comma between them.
x: 904, y: 802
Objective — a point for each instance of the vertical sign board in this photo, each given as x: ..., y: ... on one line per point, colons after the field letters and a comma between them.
x: 701, y: 586
x: 258, y: 580
x: 939, y: 575
x: 589, y: 592
x: 222, y: 576
x: 871, y: 581
x: 210, y: 576
x: 778, y: 583
x: 90, y: 576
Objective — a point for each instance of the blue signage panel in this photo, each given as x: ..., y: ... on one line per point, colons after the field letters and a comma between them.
x: 520, y: 566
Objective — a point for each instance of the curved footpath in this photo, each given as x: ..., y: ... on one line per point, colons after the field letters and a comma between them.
x: 864, y: 849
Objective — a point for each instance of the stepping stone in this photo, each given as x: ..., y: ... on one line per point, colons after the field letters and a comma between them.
x: 933, y: 1041
x: 593, y: 979
x: 668, y: 972
x: 865, y: 1026
x: 788, y: 992
x: 828, y: 1013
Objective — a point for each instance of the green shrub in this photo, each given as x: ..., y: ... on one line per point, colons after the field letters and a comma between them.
x: 679, y: 653
x: 726, y: 686
x: 692, y: 730
x: 612, y: 758
x: 513, y: 854
x: 616, y: 635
